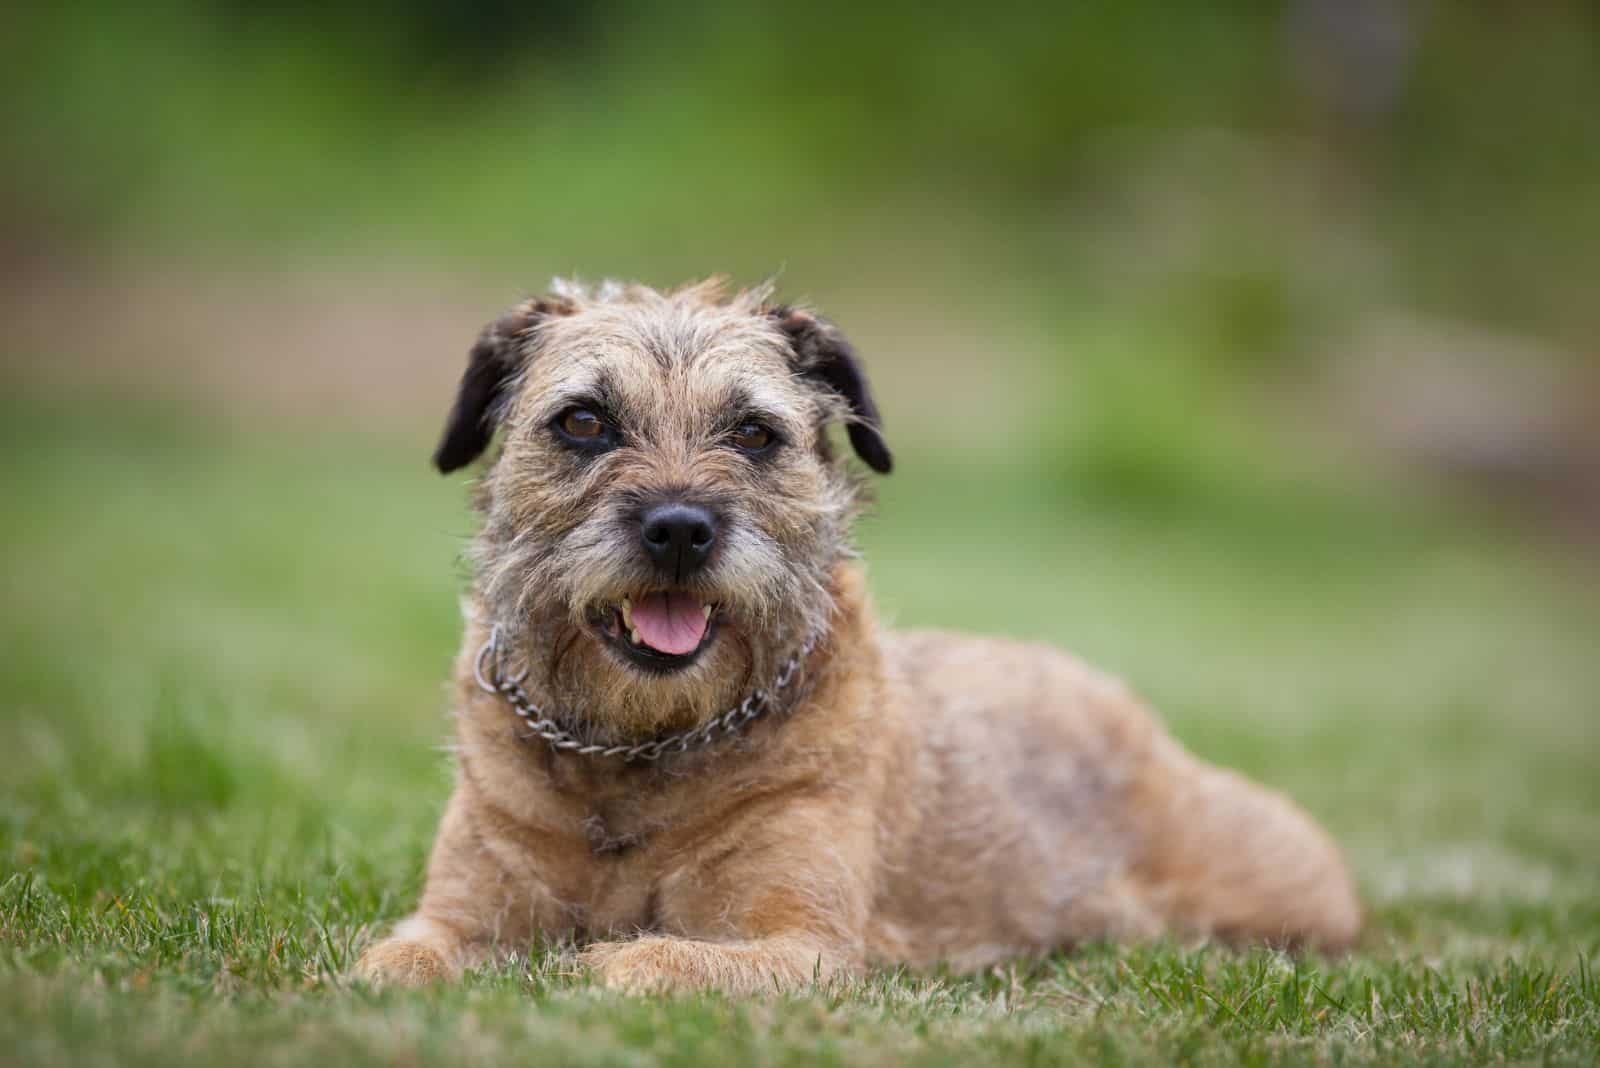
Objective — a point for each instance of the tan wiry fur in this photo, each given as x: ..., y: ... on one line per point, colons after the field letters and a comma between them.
x: 921, y: 797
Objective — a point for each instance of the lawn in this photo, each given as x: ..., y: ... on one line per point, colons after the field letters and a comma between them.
x: 222, y: 667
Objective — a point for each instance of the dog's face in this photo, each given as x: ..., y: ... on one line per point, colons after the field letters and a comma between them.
x: 664, y: 516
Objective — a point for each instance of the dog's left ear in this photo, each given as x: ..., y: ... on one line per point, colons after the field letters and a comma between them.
x: 821, y: 352
x: 492, y: 366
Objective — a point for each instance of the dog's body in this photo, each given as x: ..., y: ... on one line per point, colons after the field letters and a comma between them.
x: 912, y: 798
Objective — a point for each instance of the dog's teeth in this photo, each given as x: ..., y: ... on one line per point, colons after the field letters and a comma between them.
x: 627, y: 614
x: 633, y: 635
x: 708, y: 611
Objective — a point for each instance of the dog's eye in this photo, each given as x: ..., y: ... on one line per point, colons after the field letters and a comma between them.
x: 583, y: 426
x: 582, y: 423
x: 753, y: 437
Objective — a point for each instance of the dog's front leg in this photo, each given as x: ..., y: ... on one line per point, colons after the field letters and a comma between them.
x: 470, y: 908
x: 784, y: 903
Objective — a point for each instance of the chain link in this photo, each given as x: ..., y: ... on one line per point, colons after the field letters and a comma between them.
x: 486, y: 670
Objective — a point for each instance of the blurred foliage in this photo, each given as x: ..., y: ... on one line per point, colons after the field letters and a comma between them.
x: 678, y: 138
x: 1170, y: 207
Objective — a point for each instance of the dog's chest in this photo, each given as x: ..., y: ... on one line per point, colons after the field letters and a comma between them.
x: 612, y: 837
x: 624, y: 855
x: 654, y: 846
x: 622, y: 850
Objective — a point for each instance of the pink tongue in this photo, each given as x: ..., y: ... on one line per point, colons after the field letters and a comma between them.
x: 671, y: 623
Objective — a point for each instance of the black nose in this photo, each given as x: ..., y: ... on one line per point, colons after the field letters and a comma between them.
x: 678, y: 537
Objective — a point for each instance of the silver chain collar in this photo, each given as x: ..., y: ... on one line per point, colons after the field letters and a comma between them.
x: 486, y: 669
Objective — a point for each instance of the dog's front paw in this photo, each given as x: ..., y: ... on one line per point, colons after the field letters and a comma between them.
x: 399, y: 962
x: 656, y: 965
x: 650, y: 965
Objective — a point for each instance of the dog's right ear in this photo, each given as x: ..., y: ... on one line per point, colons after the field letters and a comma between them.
x: 492, y: 366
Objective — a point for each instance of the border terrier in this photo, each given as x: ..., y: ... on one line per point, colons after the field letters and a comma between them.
x: 684, y: 743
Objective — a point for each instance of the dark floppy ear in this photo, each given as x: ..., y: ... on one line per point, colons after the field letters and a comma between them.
x: 481, y: 398
x: 821, y: 352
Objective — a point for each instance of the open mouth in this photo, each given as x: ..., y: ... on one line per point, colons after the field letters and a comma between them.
x: 661, y: 631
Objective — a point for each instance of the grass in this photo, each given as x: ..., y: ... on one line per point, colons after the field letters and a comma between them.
x: 222, y: 664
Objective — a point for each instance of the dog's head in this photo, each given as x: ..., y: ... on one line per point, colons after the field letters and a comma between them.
x: 665, y: 513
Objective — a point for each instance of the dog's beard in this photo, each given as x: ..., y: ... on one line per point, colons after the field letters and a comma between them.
x: 548, y: 601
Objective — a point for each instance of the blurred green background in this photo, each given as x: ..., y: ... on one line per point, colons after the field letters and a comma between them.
x: 1247, y: 349
x: 1162, y: 246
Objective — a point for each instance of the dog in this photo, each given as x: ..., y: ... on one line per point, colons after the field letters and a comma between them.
x: 684, y: 744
